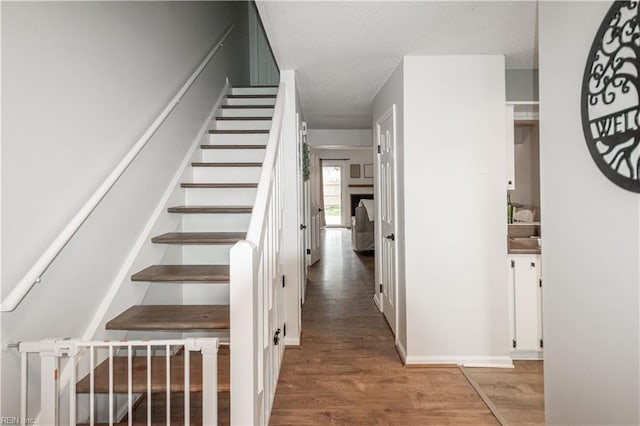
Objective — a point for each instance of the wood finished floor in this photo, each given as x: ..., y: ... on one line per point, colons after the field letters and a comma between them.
x: 517, y: 393
x: 347, y: 370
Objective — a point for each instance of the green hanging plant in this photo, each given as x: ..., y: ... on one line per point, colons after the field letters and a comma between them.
x: 305, y: 162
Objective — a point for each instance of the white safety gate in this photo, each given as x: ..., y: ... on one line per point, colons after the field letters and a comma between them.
x: 117, y: 376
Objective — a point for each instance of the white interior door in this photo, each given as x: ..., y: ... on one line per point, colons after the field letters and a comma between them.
x: 315, y: 208
x: 386, y: 134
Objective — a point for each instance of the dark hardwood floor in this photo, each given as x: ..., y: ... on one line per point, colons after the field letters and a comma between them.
x: 347, y: 370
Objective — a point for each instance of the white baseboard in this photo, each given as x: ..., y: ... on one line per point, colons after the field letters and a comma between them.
x: 527, y: 355
x: 401, y: 351
x: 377, y: 302
x: 464, y: 361
x: 292, y: 341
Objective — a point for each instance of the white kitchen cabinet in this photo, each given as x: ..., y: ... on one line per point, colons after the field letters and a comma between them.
x: 517, y: 114
x: 510, y: 153
x: 525, y: 306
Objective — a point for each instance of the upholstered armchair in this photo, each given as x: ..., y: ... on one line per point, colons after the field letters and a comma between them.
x: 362, y: 230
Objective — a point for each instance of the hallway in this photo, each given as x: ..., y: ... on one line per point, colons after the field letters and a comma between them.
x: 347, y: 370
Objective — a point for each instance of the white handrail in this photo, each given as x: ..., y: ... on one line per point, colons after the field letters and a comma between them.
x: 258, y: 215
x: 33, y: 276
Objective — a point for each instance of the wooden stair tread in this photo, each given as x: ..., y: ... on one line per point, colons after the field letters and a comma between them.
x: 258, y: 118
x: 181, y: 273
x: 218, y: 185
x: 238, y: 132
x: 210, y: 209
x: 210, y: 164
x: 172, y: 317
x: 254, y: 87
x: 233, y: 146
x: 158, y: 374
x: 247, y: 106
x: 199, y: 238
x: 248, y: 96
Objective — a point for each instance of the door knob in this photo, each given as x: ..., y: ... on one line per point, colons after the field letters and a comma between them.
x: 391, y: 237
x: 276, y: 337
x: 320, y: 210
x: 302, y: 227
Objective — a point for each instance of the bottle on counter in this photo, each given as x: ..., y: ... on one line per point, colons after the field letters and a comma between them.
x: 509, y: 209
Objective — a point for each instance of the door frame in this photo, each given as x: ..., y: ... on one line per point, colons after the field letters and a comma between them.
x: 378, y: 224
x: 344, y: 208
x: 314, y: 229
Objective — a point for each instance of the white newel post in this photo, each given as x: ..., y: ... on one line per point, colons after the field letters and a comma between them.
x: 209, y: 350
x: 244, y: 335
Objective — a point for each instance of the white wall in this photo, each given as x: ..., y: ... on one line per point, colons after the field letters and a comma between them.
x: 263, y: 68
x: 454, y: 171
x: 391, y: 94
x: 522, y: 84
x: 590, y: 258
x: 80, y: 82
x: 338, y: 137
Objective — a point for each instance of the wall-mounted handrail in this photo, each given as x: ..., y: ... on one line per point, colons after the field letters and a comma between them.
x: 33, y: 276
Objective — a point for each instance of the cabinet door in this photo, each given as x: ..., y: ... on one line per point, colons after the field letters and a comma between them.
x: 525, y: 302
x: 510, y: 147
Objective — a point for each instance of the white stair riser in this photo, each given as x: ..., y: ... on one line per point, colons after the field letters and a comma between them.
x: 249, y: 101
x: 220, y: 196
x: 226, y: 174
x: 243, y: 124
x: 205, y: 294
x: 245, y: 112
x: 216, y: 222
x: 239, y: 139
x: 233, y: 155
x: 254, y: 91
x: 197, y: 254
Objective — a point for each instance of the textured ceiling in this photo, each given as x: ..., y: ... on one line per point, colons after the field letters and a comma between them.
x: 344, y: 51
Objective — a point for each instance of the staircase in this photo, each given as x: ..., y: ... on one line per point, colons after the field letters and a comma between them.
x: 215, y: 215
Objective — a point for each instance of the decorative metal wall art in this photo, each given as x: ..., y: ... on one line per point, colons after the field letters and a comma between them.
x: 611, y: 96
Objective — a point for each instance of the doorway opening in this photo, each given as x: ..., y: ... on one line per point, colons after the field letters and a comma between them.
x: 333, y: 193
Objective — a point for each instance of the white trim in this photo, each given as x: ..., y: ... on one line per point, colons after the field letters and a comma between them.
x: 401, y: 351
x: 344, y: 191
x: 527, y: 355
x: 377, y: 302
x: 292, y: 341
x: 464, y: 361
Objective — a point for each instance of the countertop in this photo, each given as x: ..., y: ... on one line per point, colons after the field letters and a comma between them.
x: 523, y: 246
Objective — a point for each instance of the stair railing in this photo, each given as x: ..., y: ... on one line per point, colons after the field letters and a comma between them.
x: 256, y: 273
x: 34, y: 275
x: 54, y: 352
